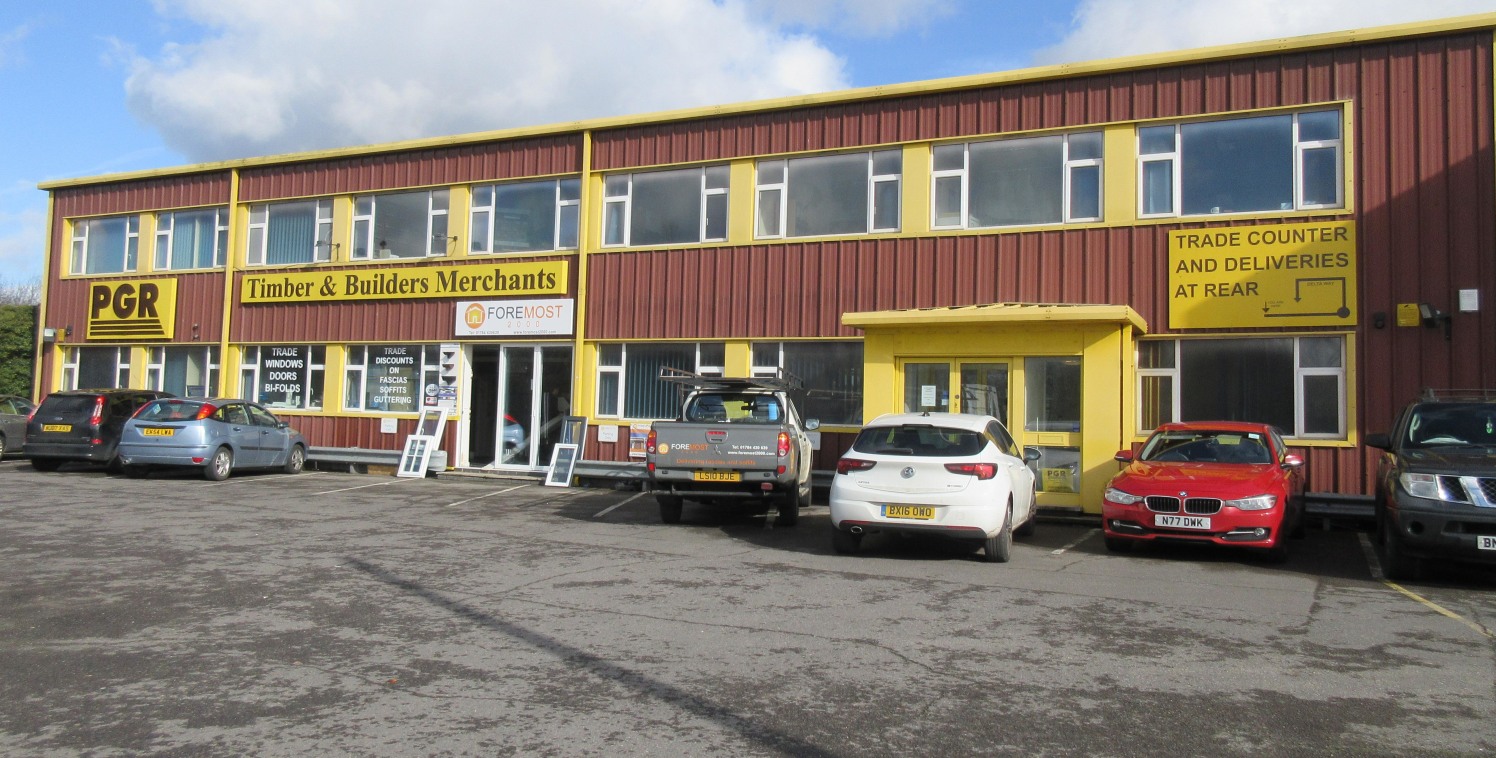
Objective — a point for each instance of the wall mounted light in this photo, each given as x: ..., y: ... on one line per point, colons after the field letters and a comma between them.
x: 1432, y: 317
x: 49, y: 336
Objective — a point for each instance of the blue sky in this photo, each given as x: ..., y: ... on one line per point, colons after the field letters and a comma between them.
x: 90, y: 87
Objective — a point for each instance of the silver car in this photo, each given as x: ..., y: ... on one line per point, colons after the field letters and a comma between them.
x: 13, y: 413
x: 218, y: 435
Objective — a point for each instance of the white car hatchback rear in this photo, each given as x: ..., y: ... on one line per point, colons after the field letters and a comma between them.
x: 953, y: 474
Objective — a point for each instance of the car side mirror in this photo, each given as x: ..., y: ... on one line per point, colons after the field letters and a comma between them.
x: 1031, y: 454
x: 282, y: 425
x: 1123, y: 456
x: 1379, y: 440
x: 1293, y: 460
x: 812, y: 424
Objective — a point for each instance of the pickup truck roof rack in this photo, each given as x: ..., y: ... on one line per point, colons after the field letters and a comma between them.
x: 1431, y: 394
x: 782, y: 381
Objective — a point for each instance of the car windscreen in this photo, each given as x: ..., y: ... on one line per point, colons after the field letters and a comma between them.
x: 922, y: 440
x: 734, y: 408
x: 65, y: 405
x: 1206, y: 446
x: 1453, y: 424
x: 169, y: 410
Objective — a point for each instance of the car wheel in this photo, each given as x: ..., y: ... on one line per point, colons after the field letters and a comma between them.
x: 220, y: 465
x: 45, y: 464
x: 1026, y: 529
x: 137, y: 472
x: 295, y: 460
x: 670, y: 508
x: 805, y: 497
x: 1118, y: 545
x: 845, y: 542
x: 1000, y: 548
x: 2, y: 446
x: 1396, y: 563
x: 789, y: 509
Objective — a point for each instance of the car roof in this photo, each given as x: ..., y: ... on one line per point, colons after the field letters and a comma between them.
x: 1223, y: 426
x: 970, y: 421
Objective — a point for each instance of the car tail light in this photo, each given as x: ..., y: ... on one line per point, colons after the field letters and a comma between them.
x: 978, y: 470
x: 98, y: 412
x: 205, y: 411
x: 848, y: 465
x: 649, y: 442
x: 784, y: 444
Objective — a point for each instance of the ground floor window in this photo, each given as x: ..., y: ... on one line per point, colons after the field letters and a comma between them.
x: 96, y: 368
x: 831, y: 371
x: 389, y: 378
x: 628, y: 376
x: 284, y: 376
x: 1294, y: 383
x: 183, y: 371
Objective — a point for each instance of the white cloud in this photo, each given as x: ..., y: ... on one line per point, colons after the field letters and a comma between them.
x: 10, y: 45
x: 1111, y: 28
x: 22, y: 233
x: 288, y: 75
x: 857, y: 17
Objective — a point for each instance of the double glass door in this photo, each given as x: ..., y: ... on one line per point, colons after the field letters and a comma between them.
x: 519, y: 395
x: 1037, y: 398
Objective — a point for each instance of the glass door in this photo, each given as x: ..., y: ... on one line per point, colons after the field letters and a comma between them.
x: 534, y: 396
x: 983, y: 388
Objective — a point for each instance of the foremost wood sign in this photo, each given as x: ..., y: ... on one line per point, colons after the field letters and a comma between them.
x: 529, y: 278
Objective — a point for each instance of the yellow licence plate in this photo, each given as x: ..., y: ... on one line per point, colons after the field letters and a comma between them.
x: 921, y: 512
x: 155, y: 432
x: 57, y: 427
x: 717, y: 476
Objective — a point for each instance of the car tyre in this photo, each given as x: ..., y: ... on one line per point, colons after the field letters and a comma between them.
x: 1000, y: 548
x: 45, y: 464
x: 220, y: 465
x: 789, y: 509
x: 1396, y: 563
x: 2, y: 446
x: 1026, y: 529
x: 295, y: 460
x: 137, y: 472
x: 670, y: 508
x: 845, y: 542
x: 1118, y: 545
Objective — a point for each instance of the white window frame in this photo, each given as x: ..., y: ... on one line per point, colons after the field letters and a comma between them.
x: 1301, y: 147
x: 1172, y: 158
x: 616, y: 202
x: 155, y: 368
x: 356, y: 374
x: 70, y: 369
x: 1067, y: 169
x: 958, y: 174
x: 166, y: 223
x: 617, y: 371
x: 782, y: 189
x: 257, y: 239
x: 249, y: 375
x: 779, y: 189
x: 483, y: 244
x: 436, y: 244
x: 1301, y: 373
x: 81, y: 250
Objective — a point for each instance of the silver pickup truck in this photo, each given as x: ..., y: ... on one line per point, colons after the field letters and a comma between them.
x: 737, y: 440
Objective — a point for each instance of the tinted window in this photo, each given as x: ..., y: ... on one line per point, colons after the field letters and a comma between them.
x: 1207, y: 446
x: 928, y: 441
x: 260, y: 416
x: 169, y: 410
x: 68, y: 404
x: 1452, y: 424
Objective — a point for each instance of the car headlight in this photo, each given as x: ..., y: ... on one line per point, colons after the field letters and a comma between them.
x: 1425, y: 486
x: 1258, y: 503
x: 1121, y: 498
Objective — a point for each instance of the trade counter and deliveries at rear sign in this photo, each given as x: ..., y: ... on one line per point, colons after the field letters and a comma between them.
x: 510, y: 279
x: 1262, y: 276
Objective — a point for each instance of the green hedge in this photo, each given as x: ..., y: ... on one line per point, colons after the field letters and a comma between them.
x: 17, y: 349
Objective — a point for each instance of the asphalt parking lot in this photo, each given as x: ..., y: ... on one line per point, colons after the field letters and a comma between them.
x: 327, y: 614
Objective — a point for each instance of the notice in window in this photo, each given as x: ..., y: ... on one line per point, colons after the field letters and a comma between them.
x: 1263, y: 276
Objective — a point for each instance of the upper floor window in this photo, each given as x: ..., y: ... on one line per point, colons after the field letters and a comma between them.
x: 665, y: 207
x: 1051, y: 179
x: 1242, y: 165
x: 105, y: 245
x: 192, y: 239
x: 400, y: 225
x: 520, y: 217
x: 850, y: 193
x: 295, y: 232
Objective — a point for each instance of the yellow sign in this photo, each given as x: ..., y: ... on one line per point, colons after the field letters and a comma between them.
x: 1408, y: 314
x: 144, y: 309
x: 1058, y: 480
x: 1259, y: 276
x: 527, y: 278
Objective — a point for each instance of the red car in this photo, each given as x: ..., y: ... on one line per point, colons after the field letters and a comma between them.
x: 1226, y: 482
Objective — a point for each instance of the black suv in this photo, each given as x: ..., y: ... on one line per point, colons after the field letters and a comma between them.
x: 1436, y: 483
x: 81, y: 425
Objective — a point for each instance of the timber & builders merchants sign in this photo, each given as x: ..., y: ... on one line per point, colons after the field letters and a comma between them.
x: 506, y: 279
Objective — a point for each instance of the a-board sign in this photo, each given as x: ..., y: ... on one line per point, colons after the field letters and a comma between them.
x: 563, y: 460
x: 419, y: 445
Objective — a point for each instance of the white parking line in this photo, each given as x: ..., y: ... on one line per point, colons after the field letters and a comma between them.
x: 1375, y: 565
x: 1075, y: 542
x: 366, y: 486
x: 491, y: 494
x: 243, y: 480
x: 615, y: 506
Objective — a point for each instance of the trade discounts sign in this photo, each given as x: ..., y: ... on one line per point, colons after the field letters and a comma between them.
x: 528, y: 278
x: 1261, y: 276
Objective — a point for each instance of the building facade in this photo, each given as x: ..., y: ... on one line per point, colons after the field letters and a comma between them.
x: 1300, y: 232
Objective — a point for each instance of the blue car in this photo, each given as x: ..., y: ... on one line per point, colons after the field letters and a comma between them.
x: 217, y: 435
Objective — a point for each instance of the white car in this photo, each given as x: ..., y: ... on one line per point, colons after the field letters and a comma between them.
x: 953, y: 474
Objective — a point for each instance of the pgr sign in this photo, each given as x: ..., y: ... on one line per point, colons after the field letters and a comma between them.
x: 144, y: 309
